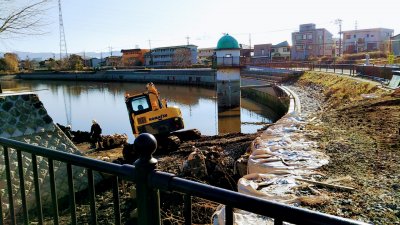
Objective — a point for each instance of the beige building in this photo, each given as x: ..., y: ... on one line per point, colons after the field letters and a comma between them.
x: 204, y: 55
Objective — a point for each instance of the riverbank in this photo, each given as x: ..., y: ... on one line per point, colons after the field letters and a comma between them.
x: 355, y: 123
x: 200, y: 77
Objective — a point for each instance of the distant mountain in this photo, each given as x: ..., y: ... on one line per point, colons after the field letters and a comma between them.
x: 46, y: 55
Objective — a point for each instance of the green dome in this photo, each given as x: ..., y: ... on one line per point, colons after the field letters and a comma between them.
x: 227, y: 42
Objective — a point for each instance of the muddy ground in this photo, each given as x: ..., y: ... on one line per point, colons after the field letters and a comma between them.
x: 359, y: 132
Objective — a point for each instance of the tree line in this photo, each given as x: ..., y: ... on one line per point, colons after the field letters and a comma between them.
x: 10, y: 63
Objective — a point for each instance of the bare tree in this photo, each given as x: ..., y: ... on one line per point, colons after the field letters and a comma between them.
x: 182, y: 58
x: 20, y: 18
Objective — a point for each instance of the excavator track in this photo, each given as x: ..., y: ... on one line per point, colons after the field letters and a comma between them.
x: 187, y: 135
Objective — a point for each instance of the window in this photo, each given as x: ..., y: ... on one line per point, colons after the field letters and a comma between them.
x: 284, y: 50
x: 354, y: 36
x: 262, y: 51
x: 273, y: 50
x: 299, y: 47
x: 304, y: 36
x: 348, y: 36
x: 372, y: 35
x: 367, y: 35
x: 309, y: 36
x: 140, y: 104
x: 298, y: 37
x: 228, y: 55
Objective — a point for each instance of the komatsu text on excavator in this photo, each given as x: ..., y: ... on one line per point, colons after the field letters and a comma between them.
x: 149, y: 114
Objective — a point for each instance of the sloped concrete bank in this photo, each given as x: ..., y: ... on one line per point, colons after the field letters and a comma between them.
x: 24, y: 118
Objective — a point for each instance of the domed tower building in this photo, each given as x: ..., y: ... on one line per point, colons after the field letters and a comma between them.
x: 227, y: 63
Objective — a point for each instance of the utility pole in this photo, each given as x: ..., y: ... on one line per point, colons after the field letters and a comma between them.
x: 339, y: 22
x: 187, y: 40
x: 110, y: 48
x: 63, y: 42
x: 151, y: 54
x: 250, y: 40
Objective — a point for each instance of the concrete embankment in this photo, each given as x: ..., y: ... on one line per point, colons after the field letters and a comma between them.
x: 201, y: 77
x: 24, y: 118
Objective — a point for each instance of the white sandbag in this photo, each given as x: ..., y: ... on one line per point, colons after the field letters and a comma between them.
x: 240, y: 217
x: 273, y: 187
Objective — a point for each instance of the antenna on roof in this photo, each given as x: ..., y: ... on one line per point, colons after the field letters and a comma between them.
x: 187, y: 40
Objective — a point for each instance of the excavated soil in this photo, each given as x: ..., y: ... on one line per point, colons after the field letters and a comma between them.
x: 355, y: 124
x: 358, y: 127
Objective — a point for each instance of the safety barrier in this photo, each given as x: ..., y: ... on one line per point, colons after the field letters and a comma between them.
x: 149, y: 183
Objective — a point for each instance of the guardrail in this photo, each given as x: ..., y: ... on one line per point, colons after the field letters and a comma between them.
x: 149, y: 182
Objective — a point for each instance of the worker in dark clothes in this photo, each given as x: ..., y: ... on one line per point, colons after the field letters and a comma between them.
x: 95, y: 135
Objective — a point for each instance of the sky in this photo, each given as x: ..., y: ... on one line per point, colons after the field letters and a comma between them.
x: 102, y: 25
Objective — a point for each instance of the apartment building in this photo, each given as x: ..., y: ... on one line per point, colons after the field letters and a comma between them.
x: 133, y: 57
x: 367, y: 40
x: 171, y: 56
x: 204, y: 55
x: 310, y: 41
x: 395, y: 43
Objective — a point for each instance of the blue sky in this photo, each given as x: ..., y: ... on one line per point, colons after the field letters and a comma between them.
x: 101, y: 24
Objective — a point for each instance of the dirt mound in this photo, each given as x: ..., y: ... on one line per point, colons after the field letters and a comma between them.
x: 360, y: 133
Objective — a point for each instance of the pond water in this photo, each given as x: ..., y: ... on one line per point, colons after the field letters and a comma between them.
x: 77, y: 103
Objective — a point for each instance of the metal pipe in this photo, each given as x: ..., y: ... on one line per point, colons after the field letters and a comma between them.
x: 148, y: 199
x: 187, y: 210
x: 9, y: 186
x: 22, y: 187
x: 37, y: 189
x: 117, y: 211
x: 125, y: 171
x: 53, y: 192
x: 92, y: 199
x: 71, y: 193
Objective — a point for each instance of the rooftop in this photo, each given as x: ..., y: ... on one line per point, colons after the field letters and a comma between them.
x: 227, y: 42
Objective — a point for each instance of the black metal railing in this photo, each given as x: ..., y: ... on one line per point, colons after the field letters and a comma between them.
x: 232, y: 61
x: 149, y: 182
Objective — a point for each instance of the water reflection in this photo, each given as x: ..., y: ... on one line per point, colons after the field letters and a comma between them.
x: 77, y: 103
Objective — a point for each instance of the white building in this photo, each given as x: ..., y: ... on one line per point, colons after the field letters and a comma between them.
x: 366, y: 40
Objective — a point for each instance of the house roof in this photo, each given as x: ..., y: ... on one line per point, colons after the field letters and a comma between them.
x: 282, y: 44
x: 227, y: 42
x: 364, y: 30
x: 395, y: 37
x: 177, y: 46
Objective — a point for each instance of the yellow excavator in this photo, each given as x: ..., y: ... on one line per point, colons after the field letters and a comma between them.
x: 148, y: 113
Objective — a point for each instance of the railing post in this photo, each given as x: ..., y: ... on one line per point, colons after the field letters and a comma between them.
x: 148, y: 198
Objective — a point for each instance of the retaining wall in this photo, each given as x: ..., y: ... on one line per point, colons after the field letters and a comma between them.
x: 202, y: 77
x: 24, y: 118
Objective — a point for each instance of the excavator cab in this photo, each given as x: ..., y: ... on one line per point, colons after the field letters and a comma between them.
x: 149, y: 114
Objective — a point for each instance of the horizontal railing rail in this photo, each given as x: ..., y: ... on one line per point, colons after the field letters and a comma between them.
x: 149, y: 182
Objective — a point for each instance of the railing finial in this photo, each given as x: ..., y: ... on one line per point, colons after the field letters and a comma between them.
x: 145, y: 144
